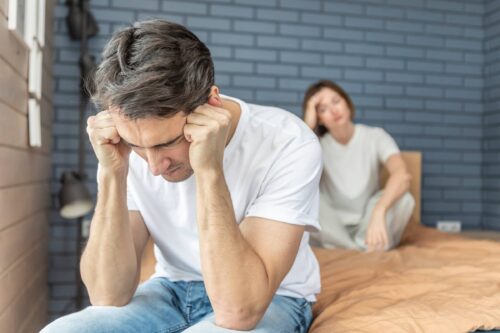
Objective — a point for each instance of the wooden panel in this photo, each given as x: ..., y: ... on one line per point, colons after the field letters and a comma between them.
x: 25, y: 208
x: 49, y: 23
x: 17, y: 52
x: 49, y: 36
x: 38, y: 316
x: 13, y: 128
x: 13, y: 317
x: 47, y: 112
x: 14, y: 131
x: 17, y: 203
x: 4, y: 8
x: 21, y: 273
x: 47, y: 84
x: 46, y: 140
x: 13, y: 88
x: 47, y: 58
x: 23, y: 167
x: 413, y: 161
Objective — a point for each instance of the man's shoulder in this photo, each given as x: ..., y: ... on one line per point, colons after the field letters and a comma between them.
x: 281, y: 122
x: 284, y: 137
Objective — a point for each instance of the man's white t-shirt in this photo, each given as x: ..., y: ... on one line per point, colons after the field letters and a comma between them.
x: 351, y: 172
x: 272, y: 167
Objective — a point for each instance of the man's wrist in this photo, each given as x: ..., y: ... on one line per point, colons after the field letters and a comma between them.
x: 209, y: 173
x: 108, y: 175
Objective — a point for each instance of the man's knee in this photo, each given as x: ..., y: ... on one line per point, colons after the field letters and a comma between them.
x: 74, y: 322
x: 92, y: 319
x: 205, y: 325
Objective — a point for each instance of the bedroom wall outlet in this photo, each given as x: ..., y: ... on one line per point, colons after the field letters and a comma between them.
x: 449, y: 226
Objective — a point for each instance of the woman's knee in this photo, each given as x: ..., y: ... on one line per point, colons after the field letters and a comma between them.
x: 407, y: 201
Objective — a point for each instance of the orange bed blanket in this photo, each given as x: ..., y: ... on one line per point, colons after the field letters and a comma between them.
x: 433, y: 282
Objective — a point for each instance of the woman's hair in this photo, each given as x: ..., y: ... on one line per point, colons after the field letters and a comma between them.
x: 153, y: 69
x: 315, y: 88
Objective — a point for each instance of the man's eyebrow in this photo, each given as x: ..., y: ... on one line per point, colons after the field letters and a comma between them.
x: 155, y: 146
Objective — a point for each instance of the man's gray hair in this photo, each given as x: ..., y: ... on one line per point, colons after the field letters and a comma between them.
x: 153, y: 69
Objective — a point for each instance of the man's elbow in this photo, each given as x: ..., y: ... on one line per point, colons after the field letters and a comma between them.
x: 108, y: 300
x: 108, y: 294
x: 240, y: 319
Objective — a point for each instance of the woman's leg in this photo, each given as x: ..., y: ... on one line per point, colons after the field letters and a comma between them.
x: 333, y: 231
x: 397, y: 218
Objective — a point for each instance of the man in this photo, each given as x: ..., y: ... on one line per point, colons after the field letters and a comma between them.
x: 227, y: 190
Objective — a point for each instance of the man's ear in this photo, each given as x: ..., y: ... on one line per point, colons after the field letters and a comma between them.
x: 214, y: 97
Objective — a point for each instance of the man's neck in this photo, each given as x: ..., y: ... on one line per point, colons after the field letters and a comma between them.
x: 235, y: 110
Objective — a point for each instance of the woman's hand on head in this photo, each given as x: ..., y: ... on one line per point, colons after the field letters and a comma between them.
x: 311, y: 113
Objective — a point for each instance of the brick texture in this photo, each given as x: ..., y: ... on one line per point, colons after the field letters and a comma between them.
x: 491, y: 142
x: 412, y: 67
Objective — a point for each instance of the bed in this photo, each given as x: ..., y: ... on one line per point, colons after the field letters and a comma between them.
x: 433, y: 282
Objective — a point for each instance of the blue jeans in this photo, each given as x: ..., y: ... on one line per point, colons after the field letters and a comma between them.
x: 163, y: 306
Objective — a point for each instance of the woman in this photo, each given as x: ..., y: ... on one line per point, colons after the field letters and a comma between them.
x: 354, y: 212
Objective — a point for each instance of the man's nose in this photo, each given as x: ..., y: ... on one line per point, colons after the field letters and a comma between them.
x: 158, y: 164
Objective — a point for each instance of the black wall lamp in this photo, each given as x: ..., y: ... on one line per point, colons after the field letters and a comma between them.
x: 74, y: 198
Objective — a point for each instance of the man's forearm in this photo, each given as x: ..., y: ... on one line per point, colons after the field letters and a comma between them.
x: 235, y: 276
x: 109, y: 265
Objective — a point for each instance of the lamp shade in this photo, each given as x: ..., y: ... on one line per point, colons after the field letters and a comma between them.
x: 74, y: 198
x: 75, y: 17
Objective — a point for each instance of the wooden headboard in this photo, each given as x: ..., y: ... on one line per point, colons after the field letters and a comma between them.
x: 413, y: 160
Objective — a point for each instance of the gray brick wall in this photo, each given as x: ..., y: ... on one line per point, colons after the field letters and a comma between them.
x: 412, y: 67
x: 491, y: 152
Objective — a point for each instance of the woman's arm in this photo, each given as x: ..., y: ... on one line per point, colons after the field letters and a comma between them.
x: 397, y: 184
x: 310, y: 114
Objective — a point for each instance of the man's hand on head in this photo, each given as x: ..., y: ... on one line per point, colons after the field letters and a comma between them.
x: 110, y: 150
x: 207, y: 129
